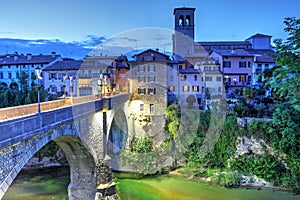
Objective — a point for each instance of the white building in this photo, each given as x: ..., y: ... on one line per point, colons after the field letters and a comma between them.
x: 12, y: 66
x: 184, y: 85
x: 61, y: 77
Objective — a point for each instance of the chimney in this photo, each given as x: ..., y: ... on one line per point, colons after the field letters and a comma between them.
x: 233, y: 51
x: 29, y: 56
x: 157, y: 49
x: 53, y: 54
x: 16, y: 56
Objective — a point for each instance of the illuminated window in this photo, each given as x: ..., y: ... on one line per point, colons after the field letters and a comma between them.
x: 185, y: 88
x: 172, y: 88
x: 195, y: 88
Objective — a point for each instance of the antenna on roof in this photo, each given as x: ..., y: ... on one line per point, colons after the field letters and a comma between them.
x: 233, y: 37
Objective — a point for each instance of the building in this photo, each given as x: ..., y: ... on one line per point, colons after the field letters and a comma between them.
x: 263, y: 60
x: 61, y: 77
x: 148, y: 89
x: 213, y: 87
x: 236, y: 66
x: 183, y: 38
x: 13, y: 66
x: 89, y: 75
x: 122, y: 67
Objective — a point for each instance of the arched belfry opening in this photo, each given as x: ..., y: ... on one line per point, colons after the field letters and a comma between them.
x: 181, y: 20
x: 188, y: 20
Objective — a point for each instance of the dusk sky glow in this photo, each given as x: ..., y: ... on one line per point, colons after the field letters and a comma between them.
x: 78, y: 20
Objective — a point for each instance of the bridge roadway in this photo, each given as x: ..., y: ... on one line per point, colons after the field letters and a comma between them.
x: 80, y: 126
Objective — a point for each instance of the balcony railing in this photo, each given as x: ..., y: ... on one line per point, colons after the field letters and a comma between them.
x: 237, y: 83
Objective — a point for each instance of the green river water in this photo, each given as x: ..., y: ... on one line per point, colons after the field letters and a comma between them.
x: 46, y: 184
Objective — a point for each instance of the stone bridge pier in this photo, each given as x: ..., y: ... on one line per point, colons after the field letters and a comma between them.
x: 81, y: 131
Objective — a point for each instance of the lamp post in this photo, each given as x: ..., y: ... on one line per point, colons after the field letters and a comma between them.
x: 38, y: 87
x: 100, y: 83
x: 71, y: 85
x: 64, y: 86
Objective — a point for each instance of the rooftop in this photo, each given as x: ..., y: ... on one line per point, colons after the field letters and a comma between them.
x: 18, y: 59
x: 233, y: 53
x: 64, y: 65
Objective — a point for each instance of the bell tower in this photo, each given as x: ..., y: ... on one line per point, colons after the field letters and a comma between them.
x: 183, y: 39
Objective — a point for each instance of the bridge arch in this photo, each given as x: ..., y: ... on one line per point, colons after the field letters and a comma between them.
x: 117, y: 139
x: 83, y: 175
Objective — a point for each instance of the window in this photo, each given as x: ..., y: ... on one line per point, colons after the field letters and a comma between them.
x: 172, y: 88
x: 171, y: 78
x: 142, y: 107
x: 219, y: 89
x: 151, y: 68
x: 249, y: 64
x: 187, y: 20
x: 141, y: 90
x: 52, y: 76
x: 151, y: 90
x: 185, y: 88
x: 208, y: 78
x: 180, y: 67
x: 242, y: 78
x: 242, y: 64
x: 141, y: 68
x: 1, y: 75
x: 9, y: 75
x: 219, y: 78
x: 195, y: 88
x: 227, y: 79
x: 180, y: 22
x: 249, y: 78
x: 227, y: 64
x: 183, y: 77
x: 141, y: 79
x: 151, y: 108
x: 206, y: 68
x: 266, y: 66
x: 53, y: 89
x: 151, y: 79
x: 195, y: 77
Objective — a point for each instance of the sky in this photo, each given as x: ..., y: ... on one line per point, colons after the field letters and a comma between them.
x: 86, y: 23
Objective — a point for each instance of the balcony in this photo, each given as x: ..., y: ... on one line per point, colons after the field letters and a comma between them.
x: 237, y: 83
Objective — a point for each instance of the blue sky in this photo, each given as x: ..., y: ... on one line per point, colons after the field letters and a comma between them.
x: 89, y: 21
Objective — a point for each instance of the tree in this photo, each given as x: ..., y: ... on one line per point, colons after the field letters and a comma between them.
x: 286, y: 79
x: 190, y: 100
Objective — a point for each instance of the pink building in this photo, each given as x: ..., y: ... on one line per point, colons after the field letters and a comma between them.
x: 236, y: 66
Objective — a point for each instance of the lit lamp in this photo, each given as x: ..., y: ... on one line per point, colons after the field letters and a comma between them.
x: 100, y: 83
x: 38, y: 72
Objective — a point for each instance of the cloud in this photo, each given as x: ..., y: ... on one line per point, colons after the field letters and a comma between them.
x: 75, y: 49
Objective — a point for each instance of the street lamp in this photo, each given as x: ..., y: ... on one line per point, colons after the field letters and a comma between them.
x: 71, y: 85
x: 100, y: 83
x: 38, y: 72
x: 64, y: 86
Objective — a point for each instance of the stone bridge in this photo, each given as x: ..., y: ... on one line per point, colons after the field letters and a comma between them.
x: 82, y: 131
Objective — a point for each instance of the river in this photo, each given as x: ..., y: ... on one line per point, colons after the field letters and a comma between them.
x: 51, y: 184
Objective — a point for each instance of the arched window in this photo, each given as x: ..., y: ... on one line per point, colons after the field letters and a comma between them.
x: 181, y: 20
x: 188, y: 20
